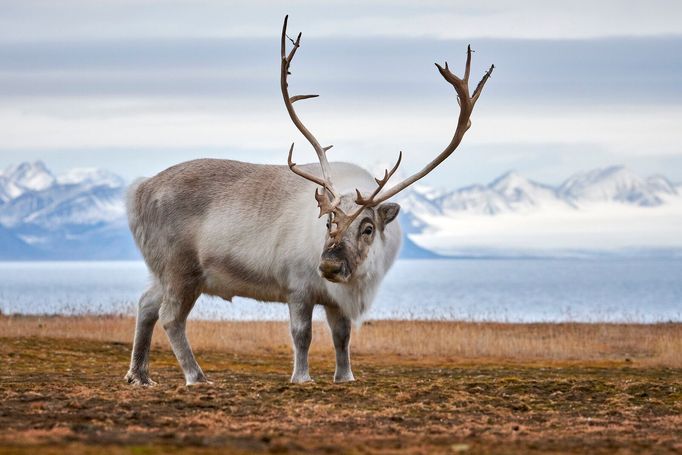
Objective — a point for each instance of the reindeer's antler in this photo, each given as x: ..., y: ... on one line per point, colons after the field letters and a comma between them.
x: 326, y: 181
x: 340, y: 221
x: 466, y: 106
x: 328, y: 198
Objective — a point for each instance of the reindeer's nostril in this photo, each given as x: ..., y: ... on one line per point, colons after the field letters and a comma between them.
x: 329, y: 268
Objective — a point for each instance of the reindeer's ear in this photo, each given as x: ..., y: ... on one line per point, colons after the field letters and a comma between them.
x: 387, y: 212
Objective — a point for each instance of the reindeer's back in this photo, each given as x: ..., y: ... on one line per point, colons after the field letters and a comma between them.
x: 165, y: 211
x: 169, y: 213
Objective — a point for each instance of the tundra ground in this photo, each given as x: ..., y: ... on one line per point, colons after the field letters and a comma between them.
x: 66, y: 395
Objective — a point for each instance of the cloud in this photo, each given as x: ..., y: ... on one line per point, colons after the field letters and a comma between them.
x: 120, y: 81
x: 549, y: 140
x: 444, y: 19
x: 389, y: 71
x: 600, y: 227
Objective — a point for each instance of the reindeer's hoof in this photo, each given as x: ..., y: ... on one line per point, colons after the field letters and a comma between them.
x: 139, y: 380
x: 341, y: 378
x: 301, y: 379
x: 199, y: 381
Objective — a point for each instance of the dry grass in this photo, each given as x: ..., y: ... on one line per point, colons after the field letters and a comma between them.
x: 67, y: 396
x: 638, y: 344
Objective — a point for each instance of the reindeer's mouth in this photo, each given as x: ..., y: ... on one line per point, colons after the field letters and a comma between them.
x: 335, y: 271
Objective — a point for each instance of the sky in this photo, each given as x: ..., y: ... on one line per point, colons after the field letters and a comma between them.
x: 136, y: 86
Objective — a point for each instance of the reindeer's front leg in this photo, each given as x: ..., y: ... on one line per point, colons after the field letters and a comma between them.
x: 341, y: 327
x: 301, y: 324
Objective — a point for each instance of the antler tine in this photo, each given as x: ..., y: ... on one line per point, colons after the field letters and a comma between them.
x: 481, y: 84
x: 467, y: 67
x: 302, y: 173
x: 388, y: 174
x: 342, y: 220
x: 466, y: 106
x: 296, y: 45
x: 295, y: 98
x: 448, y: 75
x: 290, y: 100
x: 381, y: 183
x: 312, y: 177
x: 327, y: 205
x: 460, y: 85
x: 283, y: 44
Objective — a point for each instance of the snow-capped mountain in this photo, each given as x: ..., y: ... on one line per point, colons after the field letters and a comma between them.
x: 605, y: 209
x: 478, y: 199
x: 523, y: 194
x: 58, y: 215
x: 513, y: 193
x: 415, y: 206
x: 615, y: 183
x: 24, y: 177
x: 81, y: 215
x: 510, y: 192
x: 92, y: 177
x: 80, y: 197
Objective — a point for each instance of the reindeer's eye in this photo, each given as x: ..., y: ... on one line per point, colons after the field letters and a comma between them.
x: 368, y: 230
x: 329, y: 225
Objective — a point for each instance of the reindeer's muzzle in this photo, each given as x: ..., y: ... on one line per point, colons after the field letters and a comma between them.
x: 334, y: 271
x: 333, y: 266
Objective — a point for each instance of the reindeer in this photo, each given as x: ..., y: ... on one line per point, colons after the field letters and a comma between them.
x: 227, y: 228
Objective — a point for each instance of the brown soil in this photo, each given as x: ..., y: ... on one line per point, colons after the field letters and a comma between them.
x: 62, y: 396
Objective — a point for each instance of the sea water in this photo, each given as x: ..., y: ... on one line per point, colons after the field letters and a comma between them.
x: 524, y: 290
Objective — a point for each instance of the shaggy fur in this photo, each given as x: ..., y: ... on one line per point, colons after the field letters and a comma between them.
x: 228, y: 228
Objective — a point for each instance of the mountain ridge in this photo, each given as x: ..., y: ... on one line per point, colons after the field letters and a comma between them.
x: 511, y: 192
x: 81, y: 215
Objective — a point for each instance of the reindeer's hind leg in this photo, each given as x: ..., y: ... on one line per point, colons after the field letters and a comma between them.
x: 147, y: 315
x: 173, y: 315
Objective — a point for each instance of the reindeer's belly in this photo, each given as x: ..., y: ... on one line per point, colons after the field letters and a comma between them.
x: 229, y: 278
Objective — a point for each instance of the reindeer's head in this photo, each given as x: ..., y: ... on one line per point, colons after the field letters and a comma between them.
x: 354, y: 221
x: 347, y: 247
